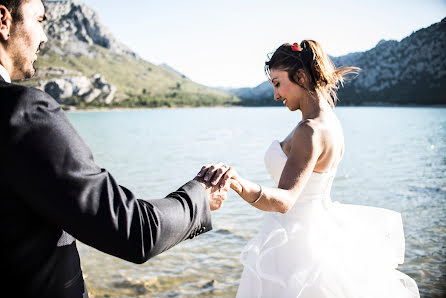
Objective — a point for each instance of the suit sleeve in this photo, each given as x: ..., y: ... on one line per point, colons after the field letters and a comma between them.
x: 53, y: 171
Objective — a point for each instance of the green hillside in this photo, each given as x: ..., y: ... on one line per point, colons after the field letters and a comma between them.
x: 138, y: 82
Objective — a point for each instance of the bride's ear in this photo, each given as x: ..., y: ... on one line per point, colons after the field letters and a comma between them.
x: 301, y: 78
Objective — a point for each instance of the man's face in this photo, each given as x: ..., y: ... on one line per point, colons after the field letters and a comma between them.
x: 26, y: 38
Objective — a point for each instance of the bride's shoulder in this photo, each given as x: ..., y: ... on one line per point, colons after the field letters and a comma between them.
x: 308, y: 127
x: 307, y: 131
x: 312, y: 130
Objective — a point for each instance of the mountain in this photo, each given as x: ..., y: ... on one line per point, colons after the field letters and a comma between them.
x: 72, y: 28
x: 83, y: 65
x: 262, y: 94
x: 411, y: 71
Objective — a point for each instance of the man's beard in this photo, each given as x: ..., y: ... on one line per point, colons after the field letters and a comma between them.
x: 31, y: 72
x: 26, y: 72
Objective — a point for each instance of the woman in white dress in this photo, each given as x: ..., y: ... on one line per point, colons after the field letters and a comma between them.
x: 307, y: 245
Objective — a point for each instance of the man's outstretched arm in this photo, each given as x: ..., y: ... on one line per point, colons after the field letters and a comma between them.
x: 53, y: 171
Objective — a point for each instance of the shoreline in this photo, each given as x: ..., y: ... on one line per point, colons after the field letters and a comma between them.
x: 73, y: 109
x: 108, y: 109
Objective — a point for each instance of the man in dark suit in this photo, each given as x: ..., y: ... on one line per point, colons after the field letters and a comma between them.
x: 52, y: 192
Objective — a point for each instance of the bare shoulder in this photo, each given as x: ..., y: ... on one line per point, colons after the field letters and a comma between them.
x: 308, y: 129
x: 307, y: 136
x: 326, y: 139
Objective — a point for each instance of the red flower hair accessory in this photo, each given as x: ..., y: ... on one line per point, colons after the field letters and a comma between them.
x: 295, y: 47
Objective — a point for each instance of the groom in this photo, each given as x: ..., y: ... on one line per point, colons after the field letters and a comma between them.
x: 52, y: 192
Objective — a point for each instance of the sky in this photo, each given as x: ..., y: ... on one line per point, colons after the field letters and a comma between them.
x: 224, y: 43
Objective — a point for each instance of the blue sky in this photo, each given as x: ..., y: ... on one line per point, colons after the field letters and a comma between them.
x: 225, y: 42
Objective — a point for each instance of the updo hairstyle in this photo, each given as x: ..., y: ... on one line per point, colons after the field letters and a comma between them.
x: 324, y: 78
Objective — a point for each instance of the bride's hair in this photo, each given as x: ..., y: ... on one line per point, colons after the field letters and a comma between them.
x: 324, y: 78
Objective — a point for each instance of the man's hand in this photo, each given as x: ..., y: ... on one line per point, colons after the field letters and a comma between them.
x: 221, y: 174
x: 215, y: 194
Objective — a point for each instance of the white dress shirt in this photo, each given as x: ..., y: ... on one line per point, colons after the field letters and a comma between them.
x: 4, y: 74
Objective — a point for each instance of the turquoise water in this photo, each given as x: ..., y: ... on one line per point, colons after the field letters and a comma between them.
x: 395, y: 158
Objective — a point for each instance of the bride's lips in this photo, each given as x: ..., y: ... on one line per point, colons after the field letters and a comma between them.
x: 284, y: 102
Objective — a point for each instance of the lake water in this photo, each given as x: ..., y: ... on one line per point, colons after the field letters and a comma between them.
x: 395, y: 158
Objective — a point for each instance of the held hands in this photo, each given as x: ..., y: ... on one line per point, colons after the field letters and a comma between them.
x: 210, y: 176
x: 221, y: 176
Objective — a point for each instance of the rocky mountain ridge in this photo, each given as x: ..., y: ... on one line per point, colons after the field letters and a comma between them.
x: 72, y: 27
x: 411, y: 71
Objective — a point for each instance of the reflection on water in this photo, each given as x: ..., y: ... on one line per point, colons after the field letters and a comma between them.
x: 395, y: 158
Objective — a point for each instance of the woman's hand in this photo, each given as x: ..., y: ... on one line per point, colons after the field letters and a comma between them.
x: 221, y: 173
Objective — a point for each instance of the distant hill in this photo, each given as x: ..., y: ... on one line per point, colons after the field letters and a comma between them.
x: 170, y: 68
x: 83, y: 65
x: 409, y: 72
x: 262, y: 94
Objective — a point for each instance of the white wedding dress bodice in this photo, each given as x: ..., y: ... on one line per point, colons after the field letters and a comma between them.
x: 318, y: 186
x: 321, y: 248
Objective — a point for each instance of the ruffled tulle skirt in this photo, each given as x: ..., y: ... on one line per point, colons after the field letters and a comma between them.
x: 326, y: 249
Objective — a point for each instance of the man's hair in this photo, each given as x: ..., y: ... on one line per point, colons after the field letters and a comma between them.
x: 13, y: 7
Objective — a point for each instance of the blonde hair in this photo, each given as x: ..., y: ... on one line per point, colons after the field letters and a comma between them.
x: 325, y: 79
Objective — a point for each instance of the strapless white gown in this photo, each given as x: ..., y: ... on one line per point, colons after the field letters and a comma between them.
x: 321, y: 248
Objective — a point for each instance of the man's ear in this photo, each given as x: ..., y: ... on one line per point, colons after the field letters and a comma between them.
x: 5, y: 22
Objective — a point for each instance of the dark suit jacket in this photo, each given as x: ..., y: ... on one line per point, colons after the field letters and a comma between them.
x: 51, y: 189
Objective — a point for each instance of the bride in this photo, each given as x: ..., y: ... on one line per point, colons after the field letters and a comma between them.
x: 308, y: 245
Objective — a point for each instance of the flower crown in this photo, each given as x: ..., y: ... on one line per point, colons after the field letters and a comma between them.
x: 295, y: 47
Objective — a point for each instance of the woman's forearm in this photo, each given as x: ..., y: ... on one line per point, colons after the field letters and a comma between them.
x: 272, y: 199
x: 265, y: 198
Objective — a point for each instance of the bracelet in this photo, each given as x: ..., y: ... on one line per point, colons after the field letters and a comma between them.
x: 260, y: 195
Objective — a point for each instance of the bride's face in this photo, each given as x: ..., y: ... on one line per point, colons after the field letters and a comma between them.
x: 285, y: 90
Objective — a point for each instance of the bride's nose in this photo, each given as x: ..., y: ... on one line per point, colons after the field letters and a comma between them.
x: 276, y: 95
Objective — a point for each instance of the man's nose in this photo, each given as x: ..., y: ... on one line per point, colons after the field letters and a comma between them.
x: 44, y: 38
